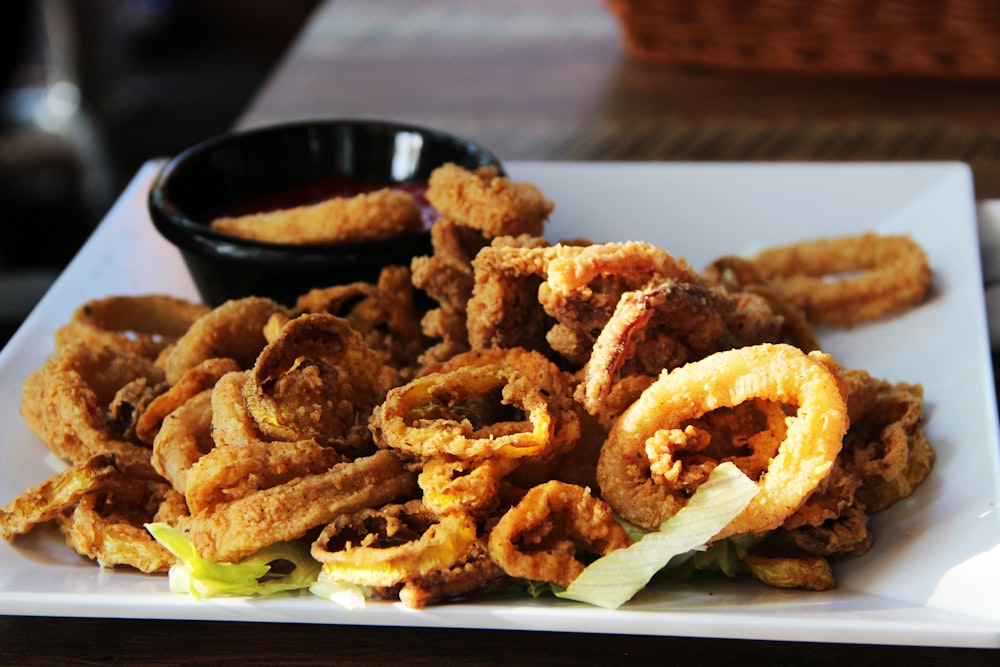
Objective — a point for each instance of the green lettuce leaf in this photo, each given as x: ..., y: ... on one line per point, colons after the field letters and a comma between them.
x: 286, y: 566
x: 614, y: 579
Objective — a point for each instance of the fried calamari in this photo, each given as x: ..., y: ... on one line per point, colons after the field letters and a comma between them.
x: 434, y: 453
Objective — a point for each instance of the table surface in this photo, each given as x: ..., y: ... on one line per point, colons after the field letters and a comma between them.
x: 549, y: 81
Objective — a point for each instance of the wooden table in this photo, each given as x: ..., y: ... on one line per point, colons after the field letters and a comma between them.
x: 548, y: 80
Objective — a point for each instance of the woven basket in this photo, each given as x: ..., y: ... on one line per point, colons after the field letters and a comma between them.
x: 935, y: 38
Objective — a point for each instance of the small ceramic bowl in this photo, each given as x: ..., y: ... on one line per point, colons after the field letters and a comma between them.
x: 283, y: 163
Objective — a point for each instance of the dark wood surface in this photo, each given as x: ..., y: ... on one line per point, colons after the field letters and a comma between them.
x: 548, y: 80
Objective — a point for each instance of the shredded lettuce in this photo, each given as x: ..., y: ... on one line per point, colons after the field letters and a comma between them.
x: 286, y: 566
x: 347, y: 595
x: 614, y: 579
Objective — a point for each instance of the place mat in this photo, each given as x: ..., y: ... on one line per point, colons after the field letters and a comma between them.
x: 729, y: 139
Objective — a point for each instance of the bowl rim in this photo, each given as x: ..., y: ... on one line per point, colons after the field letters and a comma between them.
x: 188, y: 234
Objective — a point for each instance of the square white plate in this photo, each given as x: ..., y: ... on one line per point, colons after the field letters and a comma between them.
x: 933, y: 575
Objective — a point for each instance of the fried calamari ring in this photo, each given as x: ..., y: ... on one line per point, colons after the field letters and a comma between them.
x: 234, y: 330
x: 68, y: 403
x: 196, y: 380
x: 874, y: 275
x: 383, y: 313
x: 780, y: 373
x: 583, y: 285
x: 184, y: 437
x: 232, y: 423
x: 451, y: 409
x: 235, y: 529
x: 142, y: 325
x: 473, y: 573
x: 399, y: 423
x: 55, y: 495
x: 493, y: 204
x: 368, y: 216
x: 231, y: 472
x: 690, y: 323
x: 451, y: 484
x: 542, y: 537
x: 318, y: 380
x: 388, y: 545
x: 107, y: 525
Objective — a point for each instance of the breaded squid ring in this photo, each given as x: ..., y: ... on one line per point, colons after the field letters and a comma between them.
x: 234, y: 329
x: 317, y: 380
x: 107, y: 525
x: 450, y: 484
x: 394, y: 422
x: 540, y: 537
x: 426, y: 417
x: 780, y: 373
x: 142, y: 325
x: 68, y: 403
x: 383, y: 547
x: 894, y: 274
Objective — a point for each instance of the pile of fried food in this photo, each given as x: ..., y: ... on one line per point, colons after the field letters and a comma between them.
x: 545, y: 397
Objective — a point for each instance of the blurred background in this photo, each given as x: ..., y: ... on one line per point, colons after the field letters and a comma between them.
x: 91, y: 89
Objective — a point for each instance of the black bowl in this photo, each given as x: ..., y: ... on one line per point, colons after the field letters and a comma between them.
x: 227, y: 172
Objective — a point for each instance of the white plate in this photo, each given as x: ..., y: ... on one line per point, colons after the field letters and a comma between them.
x: 933, y: 575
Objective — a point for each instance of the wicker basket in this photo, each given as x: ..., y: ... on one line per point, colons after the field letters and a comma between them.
x: 937, y: 38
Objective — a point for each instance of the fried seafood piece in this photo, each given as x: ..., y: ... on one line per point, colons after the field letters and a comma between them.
x: 583, y: 285
x: 231, y: 472
x: 184, y: 437
x: 81, y: 402
x: 846, y: 280
x: 661, y: 326
x: 791, y: 571
x: 446, y: 274
x: 486, y: 201
x: 317, y: 380
x: 763, y: 313
x: 383, y: 313
x: 512, y: 403
x: 232, y: 530
x: 387, y: 545
x: 474, y: 573
x: 847, y: 534
x: 546, y: 535
x: 368, y: 216
x: 503, y: 310
x: 55, y: 495
x: 470, y: 486
x: 107, y: 525
x: 234, y: 330
x: 232, y: 423
x: 192, y: 383
x: 886, y: 447
x: 641, y: 469
x: 143, y: 325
